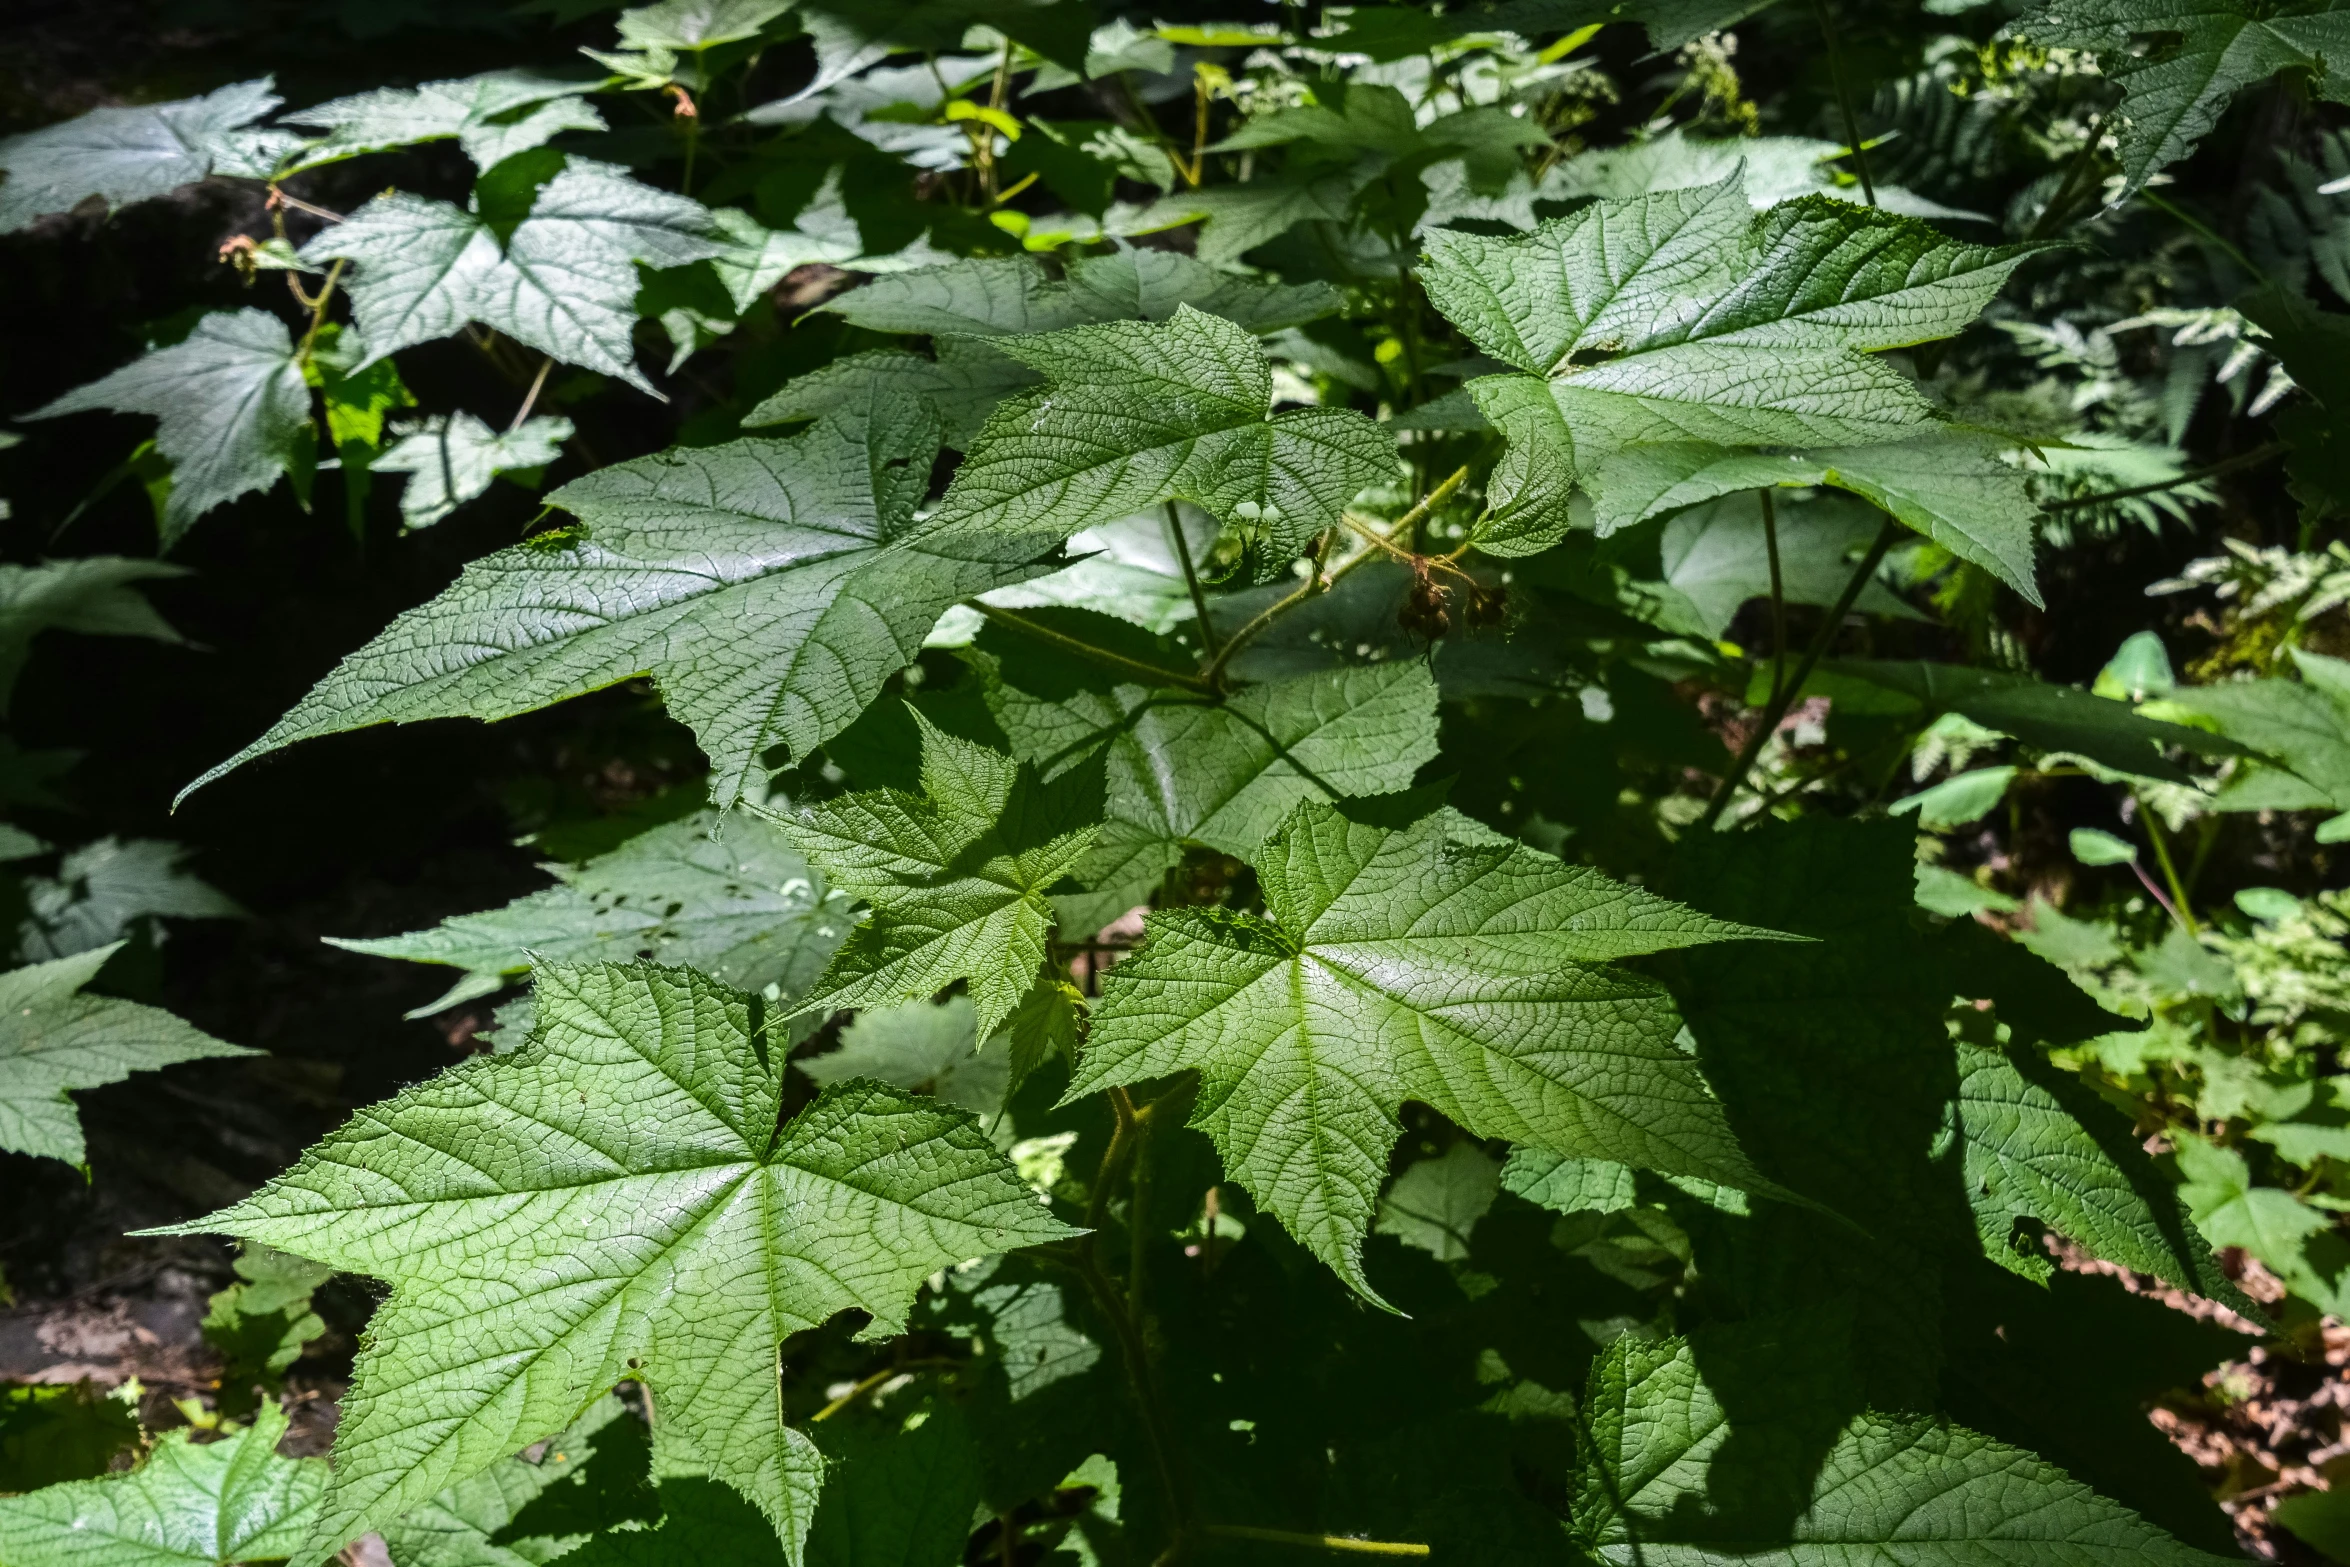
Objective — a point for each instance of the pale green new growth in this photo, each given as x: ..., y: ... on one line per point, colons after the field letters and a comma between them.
x: 956, y: 875
x: 564, y: 282
x: 53, y: 1040
x: 130, y: 154
x: 1135, y: 413
x: 484, y: 113
x: 2025, y: 1155
x: 450, y: 459
x: 727, y: 896
x: 2202, y: 53
x: 1183, y: 770
x: 1436, y: 962
x: 1655, y: 1489
x: 768, y: 586
x: 224, y: 1502
x: 232, y: 406
x: 617, y: 1201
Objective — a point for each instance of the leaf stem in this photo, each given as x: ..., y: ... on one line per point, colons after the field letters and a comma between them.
x: 1180, y: 546
x: 2170, y: 870
x: 529, y: 399
x: 867, y: 1384
x: 1770, y: 516
x: 326, y: 291
x: 2258, y: 454
x: 1783, y: 699
x: 1317, y: 1542
x: 1083, y: 649
x: 1860, y: 154
x: 1317, y: 583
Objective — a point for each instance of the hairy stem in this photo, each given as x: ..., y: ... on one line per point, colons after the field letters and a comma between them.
x: 1180, y: 547
x: 1083, y: 649
x: 2258, y: 454
x: 1317, y: 1542
x: 1785, y: 698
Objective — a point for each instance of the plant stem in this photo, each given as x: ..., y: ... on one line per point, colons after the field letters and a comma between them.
x: 1770, y: 514
x: 1083, y: 649
x: 326, y: 291
x: 1180, y: 547
x: 1860, y: 154
x: 1317, y: 1542
x: 1785, y: 698
x: 529, y: 399
x: 2258, y: 454
x: 1316, y: 583
x: 2170, y: 871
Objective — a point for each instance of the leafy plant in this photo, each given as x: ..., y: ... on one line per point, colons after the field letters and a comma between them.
x: 1292, y: 920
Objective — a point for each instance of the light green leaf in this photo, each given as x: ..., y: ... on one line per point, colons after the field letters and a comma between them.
x: 1236, y: 219
x: 2300, y: 723
x: 1045, y: 1026
x: 103, y: 888
x: 95, y: 595
x: 451, y: 458
x: 260, y: 1323
x: 492, y: 116
x: 1137, y: 413
x: 956, y: 876
x: 2267, y: 1221
x: 1717, y: 557
x: 471, y: 1524
x: 1675, y: 317
x: 925, y: 1048
x: 727, y: 896
x: 228, y: 1501
x: 2027, y: 1153
x: 1436, y: 1203
x: 1569, y: 1185
x: 53, y: 1040
x: 1000, y: 296
x: 1184, y: 770
x: 1434, y: 962
x: 1777, y: 168
x: 233, y: 408
x: 2202, y: 54
x: 696, y: 24
x: 130, y: 154
x: 564, y: 282
x: 1959, y: 799
x: 616, y: 1201
x: 1676, y: 1474
x: 769, y: 586
x: 962, y: 385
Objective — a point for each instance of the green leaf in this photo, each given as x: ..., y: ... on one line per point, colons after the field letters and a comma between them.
x: 1435, y: 962
x: 728, y: 896
x: 1949, y: 485
x: 1718, y: 558
x: 614, y: 1201
x: 2029, y: 1152
x: 233, y: 1500
x: 1236, y: 219
x: 130, y: 154
x: 700, y: 1522
x: 232, y: 406
x: 768, y: 586
x: 1045, y: 1026
x: 1679, y: 317
x: 260, y: 1323
x: 1718, y: 1448
x: 1003, y: 296
x: 492, y: 116
x: 696, y: 24
x: 956, y: 876
x: 2271, y: 1223
x: 564, y: 281
x: 1957, y: 800
x: 927, y: 1049
x: 1569, y: 1185
x: 2202, y: 54
x: 451, y: 458
x: 1137, y: 413
x: 540, y: 1504
x: 1182, y: 770
x: 103, y: 888
x: 2304, y: 724
x: 95, y: 595
x: 1436, y: 1203
x: 53, y: 1040
x: 68, y: 1431
x: 897, y: 1497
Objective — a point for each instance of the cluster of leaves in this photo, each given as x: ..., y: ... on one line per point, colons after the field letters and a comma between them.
x: 1289, y: 950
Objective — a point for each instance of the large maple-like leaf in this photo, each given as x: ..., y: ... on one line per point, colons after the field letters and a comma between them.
x: 564, y: 281
x: 232, y: 405
x: 230, y: 1501
x: 122, y: 155
x: 1746, y: 1444
x: 485, y: 114
x: 956, y: 876
x: 619, y: 1201
x: 1134, y: 413
x: 726, y: 896
x: 2179, y: 62
x: 53, y: 1039
x: 768, y: 586
x: 1435, y: 961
